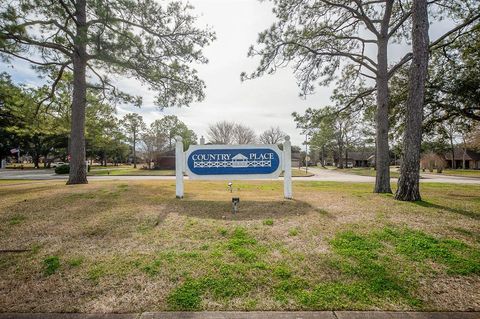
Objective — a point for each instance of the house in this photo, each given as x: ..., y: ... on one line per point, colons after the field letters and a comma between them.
x: 165, y: 160
x: 360, y: 159
x: 471, y: 158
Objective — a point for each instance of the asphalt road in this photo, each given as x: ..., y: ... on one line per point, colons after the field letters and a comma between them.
x: 320, y: 175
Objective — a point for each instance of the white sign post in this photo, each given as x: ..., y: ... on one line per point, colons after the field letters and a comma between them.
x: 179, y: 168
x: 232, y: 162
x: 287, y: 168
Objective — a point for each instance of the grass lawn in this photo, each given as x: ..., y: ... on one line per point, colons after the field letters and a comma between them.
x: 366, y: 171
x: 112, y: 246
x: 129, y: 170
x: 459, y: 172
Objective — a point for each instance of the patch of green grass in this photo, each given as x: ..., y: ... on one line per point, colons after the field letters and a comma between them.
x: 75, y: 262
x: 51, y: 265
x: 268, y: 222
x: 186, y: 297
x: 293, y: 232
x: 96, y: 272
x: 239, y: 239
x: 225, y: 287
x: 458, y: 257
x: 242, y: 245
x: 223, y: 232
x: 335, y: 295
x: 152, y: 268
x: 282, y: 272
x: 358, y: 257
x: 290, y: 289
x: 245, y: 254
x: 16, y: 219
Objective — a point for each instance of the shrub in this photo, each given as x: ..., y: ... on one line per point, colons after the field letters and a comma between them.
x: 62, y: 169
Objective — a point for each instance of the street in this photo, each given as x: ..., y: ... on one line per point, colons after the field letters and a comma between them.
x: 324, y: 175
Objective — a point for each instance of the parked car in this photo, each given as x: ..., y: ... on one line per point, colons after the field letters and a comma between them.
x: 57, y: 164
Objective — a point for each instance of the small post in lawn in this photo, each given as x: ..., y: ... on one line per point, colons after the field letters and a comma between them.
x: 179, y: 166
x: 287, y: 166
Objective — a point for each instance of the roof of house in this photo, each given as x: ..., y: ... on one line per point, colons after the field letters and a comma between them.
x: 459, y: 153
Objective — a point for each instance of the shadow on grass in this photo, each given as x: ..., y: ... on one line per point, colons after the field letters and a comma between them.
x: 247, y: 210
x: 467, y: 213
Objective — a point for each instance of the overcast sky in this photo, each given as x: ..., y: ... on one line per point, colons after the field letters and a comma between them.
x: 260, y: 103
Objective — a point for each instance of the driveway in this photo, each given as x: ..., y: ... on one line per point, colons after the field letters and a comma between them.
x: 323, y: 175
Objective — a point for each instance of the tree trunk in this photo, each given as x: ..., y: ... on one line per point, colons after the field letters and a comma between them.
x: 452, y: 147
x: 45, y: 160
x: 323, y: 155
x: 340, y: 156
x: 78, y: 172
x: 382, y: 158
x: 134, y: 149
x: 408, y: 183
x: 346, y: 156
x: 36, y: 159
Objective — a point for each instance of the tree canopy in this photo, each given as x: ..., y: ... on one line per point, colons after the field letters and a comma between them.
x: 143, y: 39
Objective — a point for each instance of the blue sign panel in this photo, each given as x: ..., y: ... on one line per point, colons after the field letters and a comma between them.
x: 233, y: 161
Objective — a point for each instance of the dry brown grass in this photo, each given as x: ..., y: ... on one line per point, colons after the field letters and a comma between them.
x: 127, y: 246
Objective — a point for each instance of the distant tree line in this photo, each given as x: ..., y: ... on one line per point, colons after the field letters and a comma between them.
x: 41, y: 130
x: 225, y: 132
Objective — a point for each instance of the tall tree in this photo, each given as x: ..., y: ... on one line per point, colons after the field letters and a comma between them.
x: 150, y: 145
x: 144, y: 39
x: 171, y: 126
x: 221, y: 132
x: 274, y: 135
x: 321, y: 36
x: 409, y: 181
x: 243, y: 135
x: 11, y: 100
x: 133, y: 125
x: 329, y: 129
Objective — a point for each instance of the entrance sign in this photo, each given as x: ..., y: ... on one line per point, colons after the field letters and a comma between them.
x: 232, y: 162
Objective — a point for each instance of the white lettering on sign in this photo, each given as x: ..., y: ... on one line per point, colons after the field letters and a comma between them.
x: 211, y: 157
x: 264, y: 156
